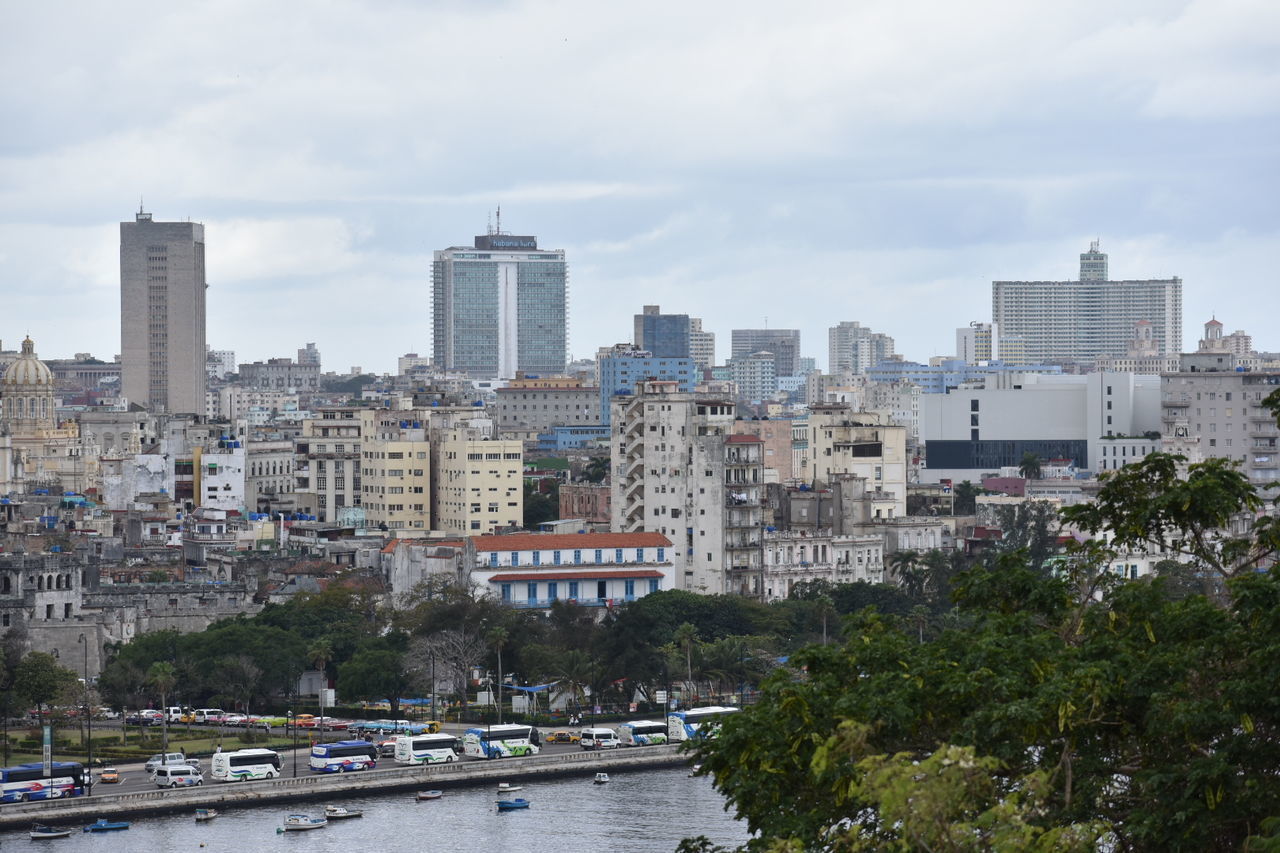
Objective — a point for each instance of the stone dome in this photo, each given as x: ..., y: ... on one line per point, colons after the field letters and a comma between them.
x: 27, y: 372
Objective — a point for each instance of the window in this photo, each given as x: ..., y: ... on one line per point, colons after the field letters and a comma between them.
x: 617, y: 555
x: 599, y: 556
x: 493, y: 560
x: 553, y: 590
x: 577, y: 556
x: 506, y: 591
x: 573, y: 589
x: 639, y: 555
x: 629, y: 588
x: 533, y: 590
x: 555, y: 557
x: 515, y: 558
x: 662, y: 555
x: 653, y: 584
x: 537, y: 558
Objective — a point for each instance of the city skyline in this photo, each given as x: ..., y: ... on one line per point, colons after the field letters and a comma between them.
x: 856, y: 185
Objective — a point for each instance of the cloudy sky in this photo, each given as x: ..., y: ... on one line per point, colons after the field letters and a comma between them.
x: 790, y: 164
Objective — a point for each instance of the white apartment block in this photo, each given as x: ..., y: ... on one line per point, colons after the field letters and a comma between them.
x: 855, y: 348
x: 395, y: 483
x: 222, y: 476
x: 269, y: 481
x: 840, y: 440
x: 478, y: 483
x: 791, y: 558
x: 702, y: 345
x: 680, y: 472
x: 977, y: 342
x: 235, y: 402
x: 327, y: 467
x: 899, y: 402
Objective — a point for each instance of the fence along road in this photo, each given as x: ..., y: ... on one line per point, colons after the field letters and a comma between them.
x: 325, y: 786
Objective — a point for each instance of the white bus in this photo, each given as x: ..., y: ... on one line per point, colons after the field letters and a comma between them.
x: 642, y: 733
x: 343, y: 756
x: 696, y: 722
x: 499, y: 741
x: 426, y: 749
x: 244, y: 764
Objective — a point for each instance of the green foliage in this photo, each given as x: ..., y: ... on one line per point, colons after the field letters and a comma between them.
x: 1029, y: 468
x: 540, y: 506
x: 39, y: 678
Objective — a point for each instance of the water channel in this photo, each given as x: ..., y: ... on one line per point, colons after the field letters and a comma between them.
x: 642, y: 810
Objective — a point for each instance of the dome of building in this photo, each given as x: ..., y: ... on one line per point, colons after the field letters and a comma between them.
x: 27, y: 372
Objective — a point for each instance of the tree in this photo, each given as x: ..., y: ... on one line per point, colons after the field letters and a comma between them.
x: 497, y: 638
x: 375, y: 674
x: 161, y: 677
x: 1029, y: 467
x: 596, y: 470
x: 39, y: 679
x: 686, y: 639
x: 905, y: 566
x: 966, y: 502
x: 539, y: 506
x: 1105, y: 703
x: 1031, y: 526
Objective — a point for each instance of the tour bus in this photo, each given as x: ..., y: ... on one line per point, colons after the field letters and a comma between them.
x: 343, y: 756
x: 245, y: 764
x: 30, y: 782
x: 599, y: 739
x: 500, y: 741
x: 642, y: 733
x: 696, y: 722
x: 426, y: 749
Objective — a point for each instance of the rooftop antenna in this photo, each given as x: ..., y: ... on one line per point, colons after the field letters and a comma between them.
x: 141, y: 209
x: 498, y: 224
x: 488, y: 224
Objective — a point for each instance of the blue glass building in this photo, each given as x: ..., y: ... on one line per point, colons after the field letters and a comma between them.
x: 620, y: 371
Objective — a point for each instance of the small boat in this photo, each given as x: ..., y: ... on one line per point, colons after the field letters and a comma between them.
x: 601, y: 778
x: 341, y: 813
x: 104, y: 825
x: 507, y: 788
x: 41, y: 830
x: 695, y: 770
x: 205, y: 814
x: 512, y: 805
x: 301, y: 822
x: 430, y: 795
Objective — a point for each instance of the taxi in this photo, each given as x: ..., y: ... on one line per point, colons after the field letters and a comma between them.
x: 109, y: 775
x: 563, y: 737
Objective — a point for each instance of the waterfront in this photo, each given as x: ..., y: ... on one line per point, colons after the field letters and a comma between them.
x: 639, y: 810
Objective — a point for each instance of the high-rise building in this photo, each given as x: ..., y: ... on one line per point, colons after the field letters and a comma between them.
x: 1088, y: 319
x: 162, y: 314
x: 664, y: 335
x: 977, y: 342
x: 499, y: 306
x: 783, y: 343
x: 702, y: 345
x: 854, y: 347
x: 622, y: 367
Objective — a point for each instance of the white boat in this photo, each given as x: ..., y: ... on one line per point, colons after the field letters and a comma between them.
x: 41, y: 830
x: 203, y: 815
x: 341, y: 813
x: 430, y: 795
x: 507, y: 787
x: 601, y: 778
x: 301, y: 822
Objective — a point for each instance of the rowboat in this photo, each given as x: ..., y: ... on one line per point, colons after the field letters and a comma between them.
x: 512, y: 805
x: 430, y: 795
x: 507, y: 788
x: 40, y: 830
x: 205, y: 814
x: 104, y: 825
x: 601, y: 778
x: 341, y: 813
x: 302, y: 822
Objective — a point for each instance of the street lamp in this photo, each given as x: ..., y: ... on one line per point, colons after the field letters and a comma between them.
x: 88, y: 712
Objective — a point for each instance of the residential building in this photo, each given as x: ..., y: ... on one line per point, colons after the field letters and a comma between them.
x: 222, y: 475
x: 792, y: 557
x: 281, y: 374
x: 540, y: 404
x: 622, y: 367
x: 395, y: 482
x: 327, y: 468
x: 784, y: 344
x: 679, y: 471
x: 854, y: 347
x: 586, y: 501
x: 949, y: 373
x: 754, y: 376
x: 499, y: 306
x: 269, y: 482
x: 478, y: 484
x: 411, y: 362
x: 702, y: 345
x: 1141, y: 355
x: 534, y: 570
x: 844, y: 442
x: 775, y: 443
x: 162, y: 314
x: 309, y: 355
x: 977, y: 342
x: 664, y: 335
x: 220, y: 363
x: 1087, y: 319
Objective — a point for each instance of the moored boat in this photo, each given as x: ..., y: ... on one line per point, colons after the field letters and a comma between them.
x: 513, y: 805
x: 205, y: 814
x: 302, y: 822
x: 40, y: 830
x: 341, y: 813
x: 104, y: 825
x: 430, y: 795
x: 507, y: 788
x: 601, y: 778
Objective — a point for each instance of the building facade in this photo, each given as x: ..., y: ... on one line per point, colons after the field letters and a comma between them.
x: 162, y: 314
x: 664, y: 335
x: 1088, y: 319
x: 784, y: 344
x: 854, y: 347
x: 500, y: 306
x: 622, y: 367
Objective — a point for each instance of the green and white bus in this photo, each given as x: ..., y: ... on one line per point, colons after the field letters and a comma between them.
x: 499, y: 741
x: 642, y: 733
x: 426, y: 749
x: 245, y: 764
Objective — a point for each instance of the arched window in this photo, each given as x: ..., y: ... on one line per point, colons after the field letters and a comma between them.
x: 40, y: 583
x: 6, y: 585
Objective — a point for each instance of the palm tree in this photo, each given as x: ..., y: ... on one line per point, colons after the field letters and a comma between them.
x: 907, y: 571
x: 497, y: 638
x: 1029, y: 467
x: 686, y: 638
x: 161, y: 677
x: 319, y: 655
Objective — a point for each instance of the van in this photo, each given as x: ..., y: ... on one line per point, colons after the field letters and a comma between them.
x: 209, y: 716
x: 173, y: 714
x: 165, y: 759
x: 177, y: 776
x: 599, y: 739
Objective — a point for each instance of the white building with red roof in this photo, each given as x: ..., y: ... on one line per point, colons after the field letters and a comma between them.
x: 532, y: 570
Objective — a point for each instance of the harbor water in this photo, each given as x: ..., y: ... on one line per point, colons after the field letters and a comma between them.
x: 642, y: 810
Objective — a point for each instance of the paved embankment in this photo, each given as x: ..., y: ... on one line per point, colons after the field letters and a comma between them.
x: 332, y: 786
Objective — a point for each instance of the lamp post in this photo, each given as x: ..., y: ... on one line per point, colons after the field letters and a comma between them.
x: 434, y: 712
x: 88, y: 712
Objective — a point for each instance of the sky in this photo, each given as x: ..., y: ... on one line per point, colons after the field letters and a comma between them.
x: 781, y: 165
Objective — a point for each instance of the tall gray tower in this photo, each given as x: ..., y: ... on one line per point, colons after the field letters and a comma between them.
x: 162, y: 314
x: 1093, y: 264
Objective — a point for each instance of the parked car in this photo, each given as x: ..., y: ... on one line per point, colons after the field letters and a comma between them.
x: 177, y: 776
x: 563, y: 737
x: 161, y: 759
x: 145, y: 717
x: 209, y: 716
x: 109, y: 775
x: 234, y: 720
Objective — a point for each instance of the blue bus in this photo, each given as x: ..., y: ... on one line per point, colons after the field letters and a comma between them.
x: 343, y: 756
x: 696, y: 722
x: 29, y: 782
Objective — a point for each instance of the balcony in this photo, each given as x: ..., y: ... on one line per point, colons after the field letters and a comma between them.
x: 545, y: 603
